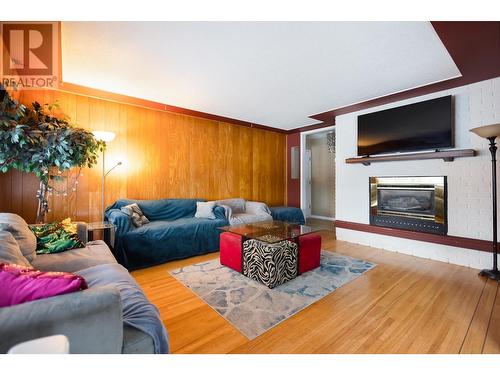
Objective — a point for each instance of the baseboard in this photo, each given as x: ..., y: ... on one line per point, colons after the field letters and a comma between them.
x: 321, y: 217
x: 454, y: 241
x: 439, y: 252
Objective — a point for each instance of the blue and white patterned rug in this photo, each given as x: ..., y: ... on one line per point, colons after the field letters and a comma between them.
x: 252, y: 307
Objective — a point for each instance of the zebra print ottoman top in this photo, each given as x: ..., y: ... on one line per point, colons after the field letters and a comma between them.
x: 270, y: 264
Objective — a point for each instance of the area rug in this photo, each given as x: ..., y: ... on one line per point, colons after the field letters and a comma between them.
x: 252, y: 307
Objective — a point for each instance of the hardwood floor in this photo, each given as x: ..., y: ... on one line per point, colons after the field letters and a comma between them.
x: 320, y: 224
x: 404, y: 305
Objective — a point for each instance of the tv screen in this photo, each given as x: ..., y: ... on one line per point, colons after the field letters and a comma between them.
x: 421, y: 126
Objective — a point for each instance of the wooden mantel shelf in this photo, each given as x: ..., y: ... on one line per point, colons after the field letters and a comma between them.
x: 445, y: 155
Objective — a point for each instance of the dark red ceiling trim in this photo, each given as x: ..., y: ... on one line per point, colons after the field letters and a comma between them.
x: 312, y: 127
x: 474, y: 47
x: 106, y: 95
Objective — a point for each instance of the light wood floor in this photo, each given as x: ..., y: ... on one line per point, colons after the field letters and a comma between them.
x: 404, y: 305
x: 320, y: 224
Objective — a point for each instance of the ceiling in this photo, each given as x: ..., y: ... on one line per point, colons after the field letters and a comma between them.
x: 269, y: 73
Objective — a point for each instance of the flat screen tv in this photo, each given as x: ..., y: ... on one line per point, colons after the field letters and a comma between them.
x: 421, y: 126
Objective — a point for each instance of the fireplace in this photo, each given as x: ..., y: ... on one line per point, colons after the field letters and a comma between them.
x: 411, y: 203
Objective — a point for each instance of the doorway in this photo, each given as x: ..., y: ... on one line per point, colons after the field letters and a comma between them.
x: 318, y: 174
x: 307, y: 181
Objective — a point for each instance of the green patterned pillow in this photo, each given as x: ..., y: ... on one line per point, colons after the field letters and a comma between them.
x: 56, y: 237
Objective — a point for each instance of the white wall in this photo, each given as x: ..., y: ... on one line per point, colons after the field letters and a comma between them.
x: 469, y: 179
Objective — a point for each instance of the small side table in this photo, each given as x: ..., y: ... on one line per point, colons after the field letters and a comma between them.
x: 107, y: 228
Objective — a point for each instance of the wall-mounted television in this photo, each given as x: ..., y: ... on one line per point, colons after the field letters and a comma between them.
x: 425, y: 125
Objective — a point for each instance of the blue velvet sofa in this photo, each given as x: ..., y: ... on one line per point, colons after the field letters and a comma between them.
x: 173, y: 232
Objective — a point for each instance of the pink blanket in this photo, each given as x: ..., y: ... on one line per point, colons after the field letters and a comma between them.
x: 19, y: 284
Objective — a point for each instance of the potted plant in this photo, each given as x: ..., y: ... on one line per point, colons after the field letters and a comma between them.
x: 34, y: 140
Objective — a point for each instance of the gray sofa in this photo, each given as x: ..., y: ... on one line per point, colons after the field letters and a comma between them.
x: 111, y: 316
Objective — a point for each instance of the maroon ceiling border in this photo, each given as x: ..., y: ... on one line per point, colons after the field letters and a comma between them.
x: 474, y: 47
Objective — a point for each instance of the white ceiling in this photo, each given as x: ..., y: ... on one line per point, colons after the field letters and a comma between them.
x: 269, y: 73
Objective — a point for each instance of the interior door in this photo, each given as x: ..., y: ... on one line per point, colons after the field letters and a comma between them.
x: 307, y: 181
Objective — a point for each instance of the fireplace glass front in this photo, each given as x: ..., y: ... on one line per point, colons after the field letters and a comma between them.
x: 412, y: 203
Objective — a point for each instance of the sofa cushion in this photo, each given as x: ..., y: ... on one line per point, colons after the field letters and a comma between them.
x: 289, y: 214
x: 249, y: 218
x: 91, y: 319
x: 134, y: 211
x: 161, y: 209
x: 205, y: 210
x: 56, y: 237
x: 136, y: 342
x: 157, y: 228
x: 237, y: 205
x: 16, y: 225
x: 95, y: 253
x: 24, y: 284
x: 138, y: 312
x: 10, y: 251
x: 161, y: 241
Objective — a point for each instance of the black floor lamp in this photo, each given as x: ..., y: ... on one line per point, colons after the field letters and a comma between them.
x: 491, y: 132
x: 106, y: 137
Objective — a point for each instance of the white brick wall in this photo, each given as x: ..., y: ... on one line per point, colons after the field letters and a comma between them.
x: 469, y: 179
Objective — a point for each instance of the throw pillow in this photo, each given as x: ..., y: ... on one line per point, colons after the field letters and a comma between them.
x: 10, y: 251
x: 24, y: 284
x: 134, y: 211
x: 237, y: 204
x: 205, y: 210
x: 16, y: 225
x: 56, y: 237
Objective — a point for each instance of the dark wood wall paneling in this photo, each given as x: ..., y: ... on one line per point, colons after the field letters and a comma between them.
x: 165, y: 155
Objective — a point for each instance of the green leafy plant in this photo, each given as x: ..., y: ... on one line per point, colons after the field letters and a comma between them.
x: 34, y: 140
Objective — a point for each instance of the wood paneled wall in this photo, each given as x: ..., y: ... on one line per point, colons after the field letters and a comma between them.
x: 165, y: 155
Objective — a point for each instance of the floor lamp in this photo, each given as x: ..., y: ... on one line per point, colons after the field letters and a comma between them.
x: 105, y: 137
x: 491, y: 132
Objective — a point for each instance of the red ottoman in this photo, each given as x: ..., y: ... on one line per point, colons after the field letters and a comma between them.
x: 230, y: 250
x: 309, y: 252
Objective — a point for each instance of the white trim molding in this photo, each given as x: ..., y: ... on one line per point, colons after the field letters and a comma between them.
x: 321, y: 217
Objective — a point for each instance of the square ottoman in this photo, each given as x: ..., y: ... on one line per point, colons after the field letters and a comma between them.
x: 231, y: 250
x: 309, y: 252
x: 270, y: 264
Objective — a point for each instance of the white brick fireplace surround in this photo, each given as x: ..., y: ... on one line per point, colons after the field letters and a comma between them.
x: 469, y: 179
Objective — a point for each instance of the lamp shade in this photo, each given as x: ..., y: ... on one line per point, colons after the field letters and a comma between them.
x: 104, y: 135
x: 487, y: 131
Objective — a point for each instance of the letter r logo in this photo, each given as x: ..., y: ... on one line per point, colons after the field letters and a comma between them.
x: 27, y: 49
